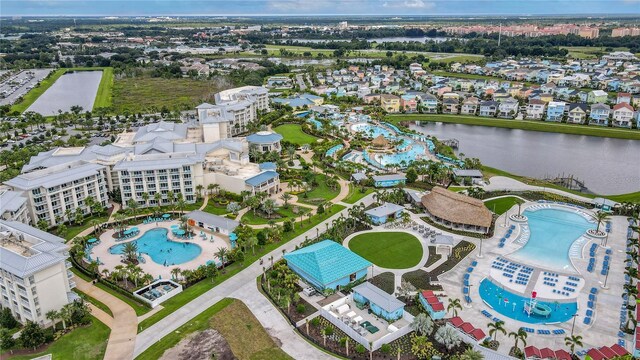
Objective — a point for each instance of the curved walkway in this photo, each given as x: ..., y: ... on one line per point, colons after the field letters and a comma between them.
x: 124, y: 325
x: 497, y: 183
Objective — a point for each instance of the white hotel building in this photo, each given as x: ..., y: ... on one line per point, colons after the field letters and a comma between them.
x: 34, y: 275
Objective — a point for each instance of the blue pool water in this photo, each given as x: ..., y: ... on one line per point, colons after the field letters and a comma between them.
x: 373, y: 130
x: 553, y: 231
x: 495, y: 295
x: 334, y: 149
x: 161, y: 250
x: 316, y: 123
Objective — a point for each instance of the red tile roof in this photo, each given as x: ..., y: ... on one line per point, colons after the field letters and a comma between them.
x: 437, y: 306
x: 596, y: 355
x: 427, y: 293
x: 531, y: 351
x: 478, y: 334
x: 619, y: 350
x: 606, y: 351
x: 547, y: 353
x: 467, y: 328
x: 623, y: 105
x: 562, y: 355
x: 432, y: 300
x: 456, y: 321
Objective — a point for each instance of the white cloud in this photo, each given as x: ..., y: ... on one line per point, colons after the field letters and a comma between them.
x: 409, y: 4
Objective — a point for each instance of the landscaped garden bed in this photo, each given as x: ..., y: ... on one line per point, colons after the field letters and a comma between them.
x: 385, y: 281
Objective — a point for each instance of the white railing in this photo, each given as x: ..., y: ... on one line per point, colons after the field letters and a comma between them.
x: 345, y: 328
x: 391, y: 337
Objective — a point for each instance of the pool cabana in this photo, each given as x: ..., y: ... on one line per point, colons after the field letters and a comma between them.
x: 214, y: 223
x: 384, y: 213
x: 379, y: 302
x: 432, y: 304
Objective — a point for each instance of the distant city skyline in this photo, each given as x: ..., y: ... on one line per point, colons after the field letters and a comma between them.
x: 316, y: 7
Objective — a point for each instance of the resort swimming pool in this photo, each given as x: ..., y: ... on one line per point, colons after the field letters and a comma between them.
x: 513, y: 307
x: 553, y: 231
x: 161, y: 250
x: 372, y: 130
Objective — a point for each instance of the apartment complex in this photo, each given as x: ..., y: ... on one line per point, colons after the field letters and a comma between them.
x: 34, y: 275
x: 233, y: 111
x: 620, y: 32
x: 55, y: 193
x: 13, y: 206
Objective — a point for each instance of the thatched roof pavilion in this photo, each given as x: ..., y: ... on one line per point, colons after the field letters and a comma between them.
x: 380, y: 142
x: 457, y: 211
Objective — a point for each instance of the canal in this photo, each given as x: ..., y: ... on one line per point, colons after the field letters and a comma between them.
x: 606, y: 165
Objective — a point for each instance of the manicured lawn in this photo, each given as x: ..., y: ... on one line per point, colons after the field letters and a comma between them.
x: 74, y: 230
x: 103, y: 96
x: 522, y: 124
x: 88, y: 342
x: 319, y: 193
x: 203, y: 286
x: 244, y: 333
x: 293, y: 133
x: 501, y: 205
x: 391, y: 250
x: 466, y: 76
x: 355, y: 194
x: 94, y: 302
x: 143, y: 93
x: 199, y: 323
x: 213, y: 208
x: 255, y: 219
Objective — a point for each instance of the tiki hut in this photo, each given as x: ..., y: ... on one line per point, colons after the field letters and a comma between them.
x: 457, y: 211
x: 380, y: 142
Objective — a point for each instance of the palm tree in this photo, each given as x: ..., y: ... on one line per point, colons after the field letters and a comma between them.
x: 199, y: 189
x: 422, y: 324
x: 251, y: 242
x: 573, y: 341
x: 221, y: 254
x: 448, y: 337
x: 519, y: 336
x: 175, y: 272
x: 454, y: 306
x: 181, y: 205
x: 158, y: 198
x: 471, y: 354
x: 495, y: 328
x: 286, y: 197
x: 145, y: 197
x: 52, y: 316
x: 600, y: 217
x: 130, y: 252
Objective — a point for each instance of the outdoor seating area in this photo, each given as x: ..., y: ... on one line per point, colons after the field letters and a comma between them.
x: 506, y: 236
x: 516, y: 273
x: 592, y: 257
x: 180, y: 233
x: 158, y: 291
x: 129, y: 233
x: 164, y: 217
x: 590, y: 306
x: 426, y: 232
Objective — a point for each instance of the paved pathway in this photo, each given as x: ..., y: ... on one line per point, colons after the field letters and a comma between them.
x: 507, y: 183
x: 124, y: 324
x: 233, y: 285
x: 101, y: 315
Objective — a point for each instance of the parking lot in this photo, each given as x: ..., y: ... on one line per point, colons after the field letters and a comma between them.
x: 19, y: 84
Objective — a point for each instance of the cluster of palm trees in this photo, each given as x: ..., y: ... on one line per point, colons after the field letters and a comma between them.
x: 74, y: 313
x: 433, y: 172
x: 395, y: 196
x: 342, y: 226
x: 128, y: 273
x: 281, y: 285
x: 191, y: 276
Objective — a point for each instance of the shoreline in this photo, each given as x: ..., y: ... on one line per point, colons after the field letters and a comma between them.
x: 528, y: 125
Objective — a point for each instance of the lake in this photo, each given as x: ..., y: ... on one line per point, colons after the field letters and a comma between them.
x: 606, y: 165
x: 77, y: 88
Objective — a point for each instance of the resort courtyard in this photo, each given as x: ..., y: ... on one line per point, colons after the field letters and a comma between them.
x: 160, y: 248
x: 550, y: 266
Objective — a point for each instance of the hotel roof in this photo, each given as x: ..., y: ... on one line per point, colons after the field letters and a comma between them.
x: 213, y: 220
x: 327, y: 261
x: 377, y: 296
x: 264, y: 137
x: 261, y: 178
x: 55, y: 175
x: 384, y: 210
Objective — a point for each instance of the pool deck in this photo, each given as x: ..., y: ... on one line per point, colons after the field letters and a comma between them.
x: 208, y: 250
x: 605, y: 323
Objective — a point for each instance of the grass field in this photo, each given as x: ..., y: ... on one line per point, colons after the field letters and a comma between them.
x: 391, y: 250
x: 88, y: 342
x: 501, y: 205
x: 293, y: 133
x: 319, y: 193
x: 466, y: 76
x: 146, y: 93
x: 355, y: 195
x: 103, y: 96
x: 246, y: 336
x: 199, y: 323
x: 201, y: 287
x: 589, y: 52
x: 521, y: 124
x: 94, y: 302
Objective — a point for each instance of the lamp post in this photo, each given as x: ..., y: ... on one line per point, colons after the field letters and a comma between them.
x: 606, y: 277
x: 574, y: 323
x: 480, y: 253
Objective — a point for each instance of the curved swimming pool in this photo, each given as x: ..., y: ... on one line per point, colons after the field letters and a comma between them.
x: 552, y: 232
x: 512, y: 305
x: 160, y: 249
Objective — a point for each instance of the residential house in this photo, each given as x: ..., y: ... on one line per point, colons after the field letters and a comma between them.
x: 623, y: 98
x: 555, y: 111
x: 577, y: 113
x: 597, y: 96
x: 600, y: 114
x: 508, y: 108
x: 450, y: 106
x: 535, y: 109
x: 488, y: 108
x: 409, y: 103
x: 622, y: 115
x: 428, y: 103
x: 470, y: 106
x: 390, y: 103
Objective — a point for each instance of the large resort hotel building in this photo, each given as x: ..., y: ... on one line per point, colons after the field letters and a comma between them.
x: 34, y: 275
x: 158, y: 158
x: 457, y: 211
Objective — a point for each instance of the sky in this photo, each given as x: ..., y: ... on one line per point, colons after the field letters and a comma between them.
x: 312, y: 7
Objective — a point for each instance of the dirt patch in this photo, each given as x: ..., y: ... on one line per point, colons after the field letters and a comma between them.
x: 203, y: 345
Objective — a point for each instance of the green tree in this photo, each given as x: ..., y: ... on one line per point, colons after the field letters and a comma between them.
x: 573, y: 341
x: 454, y: 306
x: 495, y: 328
x: 600, y: 217
x: 7, y: 342
x: 222, y: 254
x: 422, y: 348
x: 7, y: 320
x: 411, y: 175
x: 471, y: 354
x: 422, y: 324
x: 519, y: 336
x: 32, y: 335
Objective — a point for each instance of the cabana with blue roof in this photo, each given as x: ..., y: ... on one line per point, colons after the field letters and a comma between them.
x: 265, y: 141
x: 381, y: 303
x: 267, y: 181
x: 389, y: 180
x: 327, y: 265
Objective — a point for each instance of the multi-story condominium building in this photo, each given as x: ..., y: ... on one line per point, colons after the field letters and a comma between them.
x: 234, y: 110
x: 600, y: 114
x: 470, y: 106
x: 34, y: 275
x: 555, y: 110
x: 55, y: 193
x: 622, y: 115
x: 535, y: 109
x: 13, y: 206
x: 577, y: 113
x: 390, y: 103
